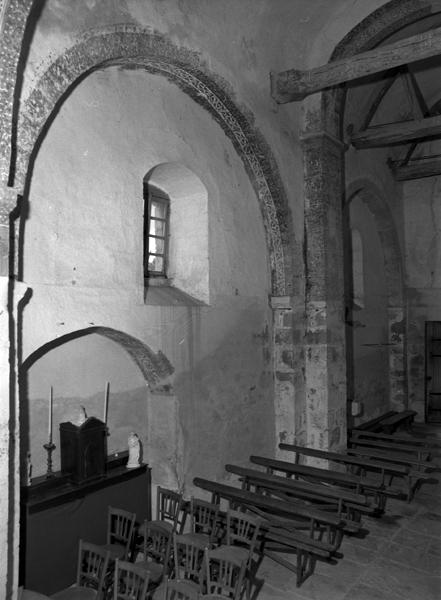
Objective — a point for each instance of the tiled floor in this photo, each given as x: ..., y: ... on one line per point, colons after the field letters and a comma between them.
x: 398, y: 559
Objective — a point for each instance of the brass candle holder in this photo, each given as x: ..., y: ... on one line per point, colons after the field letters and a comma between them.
x: 49, y: 447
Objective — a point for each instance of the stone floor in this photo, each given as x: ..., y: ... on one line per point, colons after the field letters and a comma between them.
x: 399, y: 558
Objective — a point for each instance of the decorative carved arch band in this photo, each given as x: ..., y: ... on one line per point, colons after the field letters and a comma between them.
x: 130, y: 46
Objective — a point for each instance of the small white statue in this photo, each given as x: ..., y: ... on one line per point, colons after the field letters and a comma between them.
x: 134, y: 450
x: 81, y: 416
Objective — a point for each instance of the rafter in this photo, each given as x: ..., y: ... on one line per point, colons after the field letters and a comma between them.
x: 294, y: 84
x: 397, y: 133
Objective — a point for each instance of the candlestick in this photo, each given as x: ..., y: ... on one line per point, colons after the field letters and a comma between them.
x: 51, y: 402
x: 106, y: 401
x: 49, y: 447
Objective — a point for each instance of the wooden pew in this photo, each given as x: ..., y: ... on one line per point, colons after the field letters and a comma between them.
x: 413, y: 451
x: 279, y: 532
x: 302, y: 517
x: 377, y: 493
x: 375, y: 424
x: 363, y: 464
x: 393, y: 422
x: 425, y: 442
x: 348, y: 505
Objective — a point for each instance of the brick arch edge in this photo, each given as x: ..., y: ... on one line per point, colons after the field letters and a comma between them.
x: 155, y: 367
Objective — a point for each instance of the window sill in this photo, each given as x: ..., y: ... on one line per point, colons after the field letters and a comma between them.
x: 158, y: 291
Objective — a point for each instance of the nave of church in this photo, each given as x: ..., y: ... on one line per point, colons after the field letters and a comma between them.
x: 219, y: 235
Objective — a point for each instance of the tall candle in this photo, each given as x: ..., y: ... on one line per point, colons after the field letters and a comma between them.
x: 106, y: 401
x: 51, y: 402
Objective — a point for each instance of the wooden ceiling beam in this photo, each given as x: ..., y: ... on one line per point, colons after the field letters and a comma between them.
x: 417, y: 169
x: 294, y: 84
x: 403, y: 132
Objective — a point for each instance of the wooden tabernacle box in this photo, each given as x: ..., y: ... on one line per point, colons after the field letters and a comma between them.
x: 83, y: 450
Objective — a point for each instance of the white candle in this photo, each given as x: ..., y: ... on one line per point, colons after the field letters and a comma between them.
x: 51, y: 402
x: 106, y: 401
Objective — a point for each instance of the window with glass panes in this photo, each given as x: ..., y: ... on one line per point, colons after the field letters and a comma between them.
x: 156, y: 231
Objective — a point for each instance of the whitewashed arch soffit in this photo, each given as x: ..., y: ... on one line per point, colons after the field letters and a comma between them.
x: 377, y: 205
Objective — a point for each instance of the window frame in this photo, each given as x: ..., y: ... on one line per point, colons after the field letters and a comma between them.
x: 154, y: 194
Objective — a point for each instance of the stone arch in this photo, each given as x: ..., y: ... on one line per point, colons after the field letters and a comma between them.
x: 130, y: 46
x: 323, y: 151
x: 374, y: 200
x: 155, y: 367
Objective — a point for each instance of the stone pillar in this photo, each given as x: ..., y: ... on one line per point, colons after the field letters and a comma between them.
x: 288, y: 332
x: 10, y: 294
x: 9, y: 439
x: 325, y: 357
x: 397, y: 359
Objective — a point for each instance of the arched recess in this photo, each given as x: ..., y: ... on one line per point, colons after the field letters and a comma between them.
x: 81, y: 354
x: 373, y: 198
x: 132, y: 47
x: 393, y: 308
x: 156, y: 368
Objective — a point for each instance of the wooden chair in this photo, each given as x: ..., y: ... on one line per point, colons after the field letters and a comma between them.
x: 131, y: 582
x: 188, y: 558
x: 156, y: 550
x: 204, y: 521
x: 169, y: 512
x: 241, y: 540
x: 224, y: 575
x: 120, y: 532
x: 175, y: 589
x: 93, y: 562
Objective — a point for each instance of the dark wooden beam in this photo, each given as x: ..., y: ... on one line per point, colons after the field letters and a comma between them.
x: 294, y: 84
x: 416, y: 169
x: 397, y: 133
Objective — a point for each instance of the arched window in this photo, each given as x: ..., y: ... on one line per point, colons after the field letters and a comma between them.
x: 357, y: 269
x: 176, y: 265
x: 156, y: 231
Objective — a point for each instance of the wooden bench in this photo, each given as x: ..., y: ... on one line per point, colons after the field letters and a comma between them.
x: 377, y: 493
x: 375, y: 424
x: 279, y: 532
x: 401, y: 419
x: 348, y: 505
x: 425, y: 442
x: 363, y: 463
x: 418, y: 452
